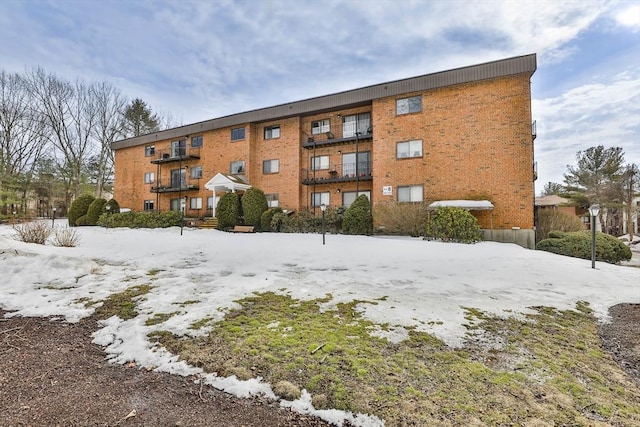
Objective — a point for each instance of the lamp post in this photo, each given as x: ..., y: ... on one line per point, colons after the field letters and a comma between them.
x: 323, y: 208
x: 594, y: 210
x: 53, y: 218
x: 183, y: 203
x: 108, y: 208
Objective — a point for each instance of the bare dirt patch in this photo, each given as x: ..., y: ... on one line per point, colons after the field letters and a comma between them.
x: 52, y: 375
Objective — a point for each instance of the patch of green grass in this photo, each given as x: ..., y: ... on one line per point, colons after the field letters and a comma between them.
x: 160, y: 318
x: 546, y: 369
x: 122, y: 304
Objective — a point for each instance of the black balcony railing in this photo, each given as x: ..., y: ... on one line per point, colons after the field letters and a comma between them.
x: 177, y: 155
x: 343, y: 172
x: 329, y: 138
x: 169, y: 187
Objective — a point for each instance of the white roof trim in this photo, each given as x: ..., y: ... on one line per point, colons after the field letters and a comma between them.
x: 226, y: 182
x: 472, y: 205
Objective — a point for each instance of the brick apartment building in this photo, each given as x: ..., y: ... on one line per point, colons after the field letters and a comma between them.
x: 463, y: 134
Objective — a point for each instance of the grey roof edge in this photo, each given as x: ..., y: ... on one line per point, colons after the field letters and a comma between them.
x: 348, y: 98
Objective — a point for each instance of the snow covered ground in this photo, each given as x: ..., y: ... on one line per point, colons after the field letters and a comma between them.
x: 426, y: 284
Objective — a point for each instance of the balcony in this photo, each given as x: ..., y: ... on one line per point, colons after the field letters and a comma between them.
x: 179, y: 155
x: 345, y: 172
x: 171, y: 188
x: 328, y: 138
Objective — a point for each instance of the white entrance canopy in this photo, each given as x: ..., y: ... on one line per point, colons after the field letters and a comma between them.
x: 472, y: 205
x: 223, y: 182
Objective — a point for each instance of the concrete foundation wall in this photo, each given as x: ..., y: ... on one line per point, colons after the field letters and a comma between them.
x: 524, y: 238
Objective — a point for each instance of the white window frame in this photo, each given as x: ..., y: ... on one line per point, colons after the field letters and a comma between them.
x: 413, y: 104
x: 319, y: 199
x: 195, y: 203
x: 179, y: 148
x: 410, y: 193
x: 274, y: 166
x: 272, y: 132
x: 353, y: 123
x: 319, y: 163
x: 239, y: 168
x: 409, y: 149
x: 273, y: 200
x: 320, y: 126
x: 149, y: 150
x: 149, y: 205
x: 199, y: 138
x: 210, y: 202
x: 149, y: 177
x: 355, y: 196
x: 195, y: 172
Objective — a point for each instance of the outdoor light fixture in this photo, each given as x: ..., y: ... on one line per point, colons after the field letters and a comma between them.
x: 594, y: 210
x: 108, y: 208
x: 323, y: 208
x: 183, y: 203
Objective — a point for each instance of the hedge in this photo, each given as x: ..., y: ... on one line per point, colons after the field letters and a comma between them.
x: 578, y: 244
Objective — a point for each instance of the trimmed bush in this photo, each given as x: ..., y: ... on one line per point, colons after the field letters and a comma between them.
x: 254, y: 203
x: 551, y: 219
x: 266, y: 217
x: 357, y: 218
x: 153, y: 219
x: 96, y: 208
x: 114, y: 206
x: 453, y: 224
x: 408, y: 219
x: 79, y: 208
x: 228, y: 211
x: 82, y: 221
x: 282, y: 222
x: 577, y: 244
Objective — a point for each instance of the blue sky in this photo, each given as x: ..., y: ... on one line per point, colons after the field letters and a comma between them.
x: 199, y: 59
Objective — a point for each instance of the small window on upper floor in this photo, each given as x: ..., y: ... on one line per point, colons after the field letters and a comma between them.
x: 320, y: 126
x: 409, y: 149
x: 149, y: 177
x: 195, y: 172
x: 409, y: 105
x: 272, y: 132
x: 271, y: 166
x: 237, y: 168
x: 149, y: 150
x: 196, y: 141
x: 237, y: 134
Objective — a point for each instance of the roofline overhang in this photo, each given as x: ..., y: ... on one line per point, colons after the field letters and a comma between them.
x: 347, y: 99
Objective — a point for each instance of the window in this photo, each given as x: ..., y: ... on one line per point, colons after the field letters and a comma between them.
x: 149, y: 177
x: 178, y: 178
x: 348, y: 197
x: 176, y: 204
x: 195, y: 203
x: 321, y: 126
x: 360, y: 123
x: 319, y: 162
x: 363, y: 166
x: 237, y: 134
x: 195, y: 172
x: 409, y: 105
x: 179, y: 148
x: 237, y: 168
x: 210, y: 202
x: 318, y: 199
x: 271, y: 166
x: 272, y: 132
x: 148, y: 205
x: 411, y: 193
x: 196, y: 141
x: 272, y: 200
x: 150, y: 150
x: 409, y: 149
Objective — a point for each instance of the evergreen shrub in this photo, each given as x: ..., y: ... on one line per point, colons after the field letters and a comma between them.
x: 153, y: 219
x: 266, y: 217
x: 79, y: 208
x: 114, y: 206
x: 228, y: 211
x: 357, y: 218
x: 254, y: 203
x: 96, y: 208
x: 453, y: 224
x: 578, y: 244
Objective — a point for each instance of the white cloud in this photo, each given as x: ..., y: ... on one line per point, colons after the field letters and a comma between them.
x: 628, y: 15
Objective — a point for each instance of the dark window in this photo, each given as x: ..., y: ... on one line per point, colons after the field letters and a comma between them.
x: 149, y: 150
x: 148, y: 205
x: 237, y: 134
x: 196, y: 142
x: 272, y: 132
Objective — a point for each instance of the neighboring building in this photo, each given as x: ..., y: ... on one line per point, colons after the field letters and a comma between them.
x: 634, y: 224
x: 463, y: 134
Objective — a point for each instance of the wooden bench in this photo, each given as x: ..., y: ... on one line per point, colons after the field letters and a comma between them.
x: 244, y: 229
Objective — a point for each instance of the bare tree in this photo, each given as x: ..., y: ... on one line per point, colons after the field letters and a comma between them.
x: 110, y: 107
x: 69, y: 117
x: 21, y: 140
